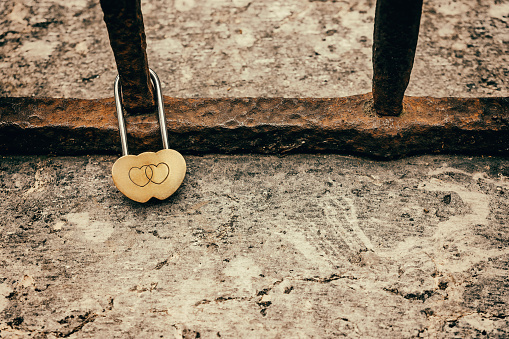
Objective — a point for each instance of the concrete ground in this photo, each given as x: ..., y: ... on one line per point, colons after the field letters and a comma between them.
x: 243, y: 48
x: 255, y: 246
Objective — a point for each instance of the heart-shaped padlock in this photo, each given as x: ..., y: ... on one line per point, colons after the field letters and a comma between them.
x: 141, y: 177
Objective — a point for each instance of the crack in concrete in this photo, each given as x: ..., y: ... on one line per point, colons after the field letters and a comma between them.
x: 86, y: 318
x: 14, y: 328
x: 329, y: 279
x: 423, y: 296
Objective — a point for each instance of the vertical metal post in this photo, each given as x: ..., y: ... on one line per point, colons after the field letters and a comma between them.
x: 394, y: 43
x: 124, y: 22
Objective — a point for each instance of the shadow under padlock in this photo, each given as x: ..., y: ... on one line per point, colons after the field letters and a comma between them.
x: 150, y: 174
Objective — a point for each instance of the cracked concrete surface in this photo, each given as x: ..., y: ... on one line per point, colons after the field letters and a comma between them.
x: 255, y: 246
x: 242, y: 48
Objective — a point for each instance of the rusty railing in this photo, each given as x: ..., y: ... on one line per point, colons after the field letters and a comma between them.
x: 394, y: 43
x: 368, y: 124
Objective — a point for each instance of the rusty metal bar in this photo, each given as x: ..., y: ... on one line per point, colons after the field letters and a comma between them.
x: 124, y: 22
x: 260, y: 125
x: 394, y: 43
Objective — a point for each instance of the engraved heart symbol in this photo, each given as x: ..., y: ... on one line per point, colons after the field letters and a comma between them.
x: 146, y: 174
x: 141, y: 177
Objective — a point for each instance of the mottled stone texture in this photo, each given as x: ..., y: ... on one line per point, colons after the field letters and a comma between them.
x: 257, y: 247
x: 251, y: 246
x: 244, y: 48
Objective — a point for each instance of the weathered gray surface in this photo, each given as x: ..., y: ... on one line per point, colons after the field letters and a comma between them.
x: 301, y: 246
x: 257, y: 246
x: 239, y: 48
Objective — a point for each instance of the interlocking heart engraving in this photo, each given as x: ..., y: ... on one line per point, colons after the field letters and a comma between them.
x: 151, y: 173
x: 148, y: 175
x: 141, y: 177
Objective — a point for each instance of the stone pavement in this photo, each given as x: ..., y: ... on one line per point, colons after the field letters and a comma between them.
x: 243, y: 48
x: 255, y: 246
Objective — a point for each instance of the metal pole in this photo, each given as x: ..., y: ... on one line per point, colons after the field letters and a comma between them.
x: 394, y: 43
x: 124, y: 22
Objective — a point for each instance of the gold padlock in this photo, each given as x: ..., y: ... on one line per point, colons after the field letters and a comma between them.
x: 141, y: 177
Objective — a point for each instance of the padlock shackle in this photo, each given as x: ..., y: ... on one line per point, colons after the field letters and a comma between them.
x: 160, y: 110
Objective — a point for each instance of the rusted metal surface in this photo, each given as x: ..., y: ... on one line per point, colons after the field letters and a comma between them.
x: 124, y: 21
x: 394, y: 43
x: 260, y: 125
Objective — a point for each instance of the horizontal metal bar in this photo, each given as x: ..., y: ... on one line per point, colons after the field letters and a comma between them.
x: 260, y: 125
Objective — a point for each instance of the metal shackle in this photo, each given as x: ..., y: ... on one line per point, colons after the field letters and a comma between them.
x: 160, y: 110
